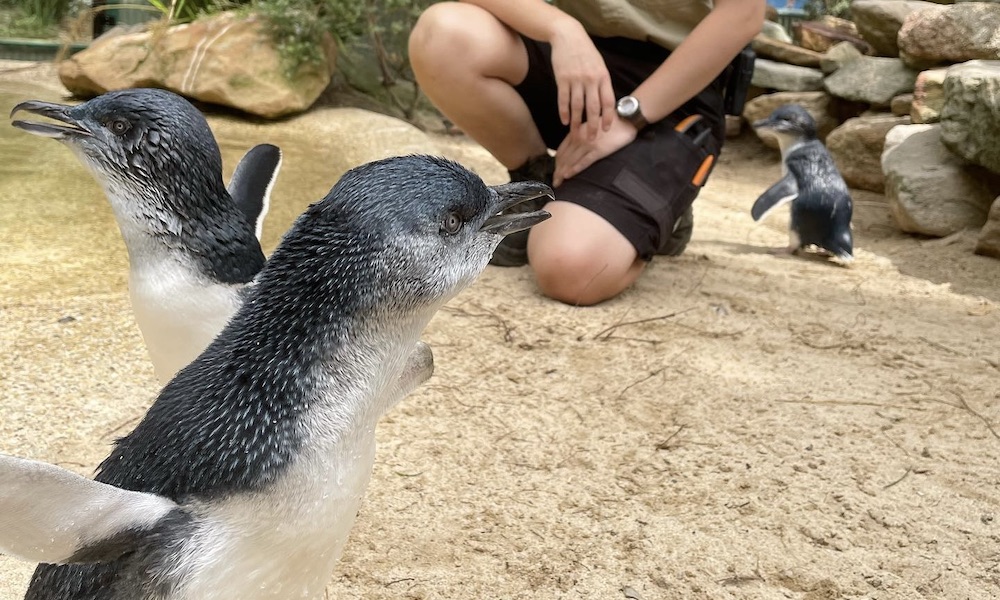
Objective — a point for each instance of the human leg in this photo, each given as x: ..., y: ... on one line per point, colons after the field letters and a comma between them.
x: 468, y: 62
x: 580, y: 258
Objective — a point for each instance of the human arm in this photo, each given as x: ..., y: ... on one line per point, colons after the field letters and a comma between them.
x: 691, y: 67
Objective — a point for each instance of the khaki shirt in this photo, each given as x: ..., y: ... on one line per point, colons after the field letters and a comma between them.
x: 663, y: 22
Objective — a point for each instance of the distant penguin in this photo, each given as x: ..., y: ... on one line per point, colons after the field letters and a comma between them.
x: 244, y: 478
x: 821, y: 201
x: 192, y: 244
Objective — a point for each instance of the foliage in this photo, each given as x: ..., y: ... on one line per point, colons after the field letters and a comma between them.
x: 389, y: 23
x: 33, y: 18
x: 300, y: 27
x: 837, y: 8
x: 187, y: 10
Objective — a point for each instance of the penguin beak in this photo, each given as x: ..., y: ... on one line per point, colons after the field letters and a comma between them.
x: 511, y: 195
x: 59, y: 112
x: 774, y: 125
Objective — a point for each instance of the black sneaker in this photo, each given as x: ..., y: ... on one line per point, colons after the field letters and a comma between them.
x: 513, y: 250
x: 678, y: 240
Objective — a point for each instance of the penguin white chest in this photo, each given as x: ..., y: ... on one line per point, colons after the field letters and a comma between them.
x: 178, y: 312
x: 281, y: 543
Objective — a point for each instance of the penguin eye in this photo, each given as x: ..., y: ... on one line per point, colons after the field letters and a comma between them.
x: 451, y: 224
x: 119, y: 126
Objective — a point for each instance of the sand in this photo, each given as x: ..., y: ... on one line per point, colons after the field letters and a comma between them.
x: 736, y: 425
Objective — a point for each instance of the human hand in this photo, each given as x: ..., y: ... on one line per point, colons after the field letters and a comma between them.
x: 582, y: 80
x: 578, y: 150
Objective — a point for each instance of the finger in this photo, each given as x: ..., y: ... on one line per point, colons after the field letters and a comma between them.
x: 607, y: 104
x: 563, y: 90
x: 593, y: 111
x: 563, y: 149
x: 576, y: 106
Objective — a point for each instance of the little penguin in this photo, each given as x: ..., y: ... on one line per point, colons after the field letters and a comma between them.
x: 821, y: 201
x: 243, y: 479
x: 192, y: 243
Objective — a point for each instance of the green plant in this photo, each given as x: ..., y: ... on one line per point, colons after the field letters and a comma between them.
x: 837, y: 8
x: 186, y: 10
x: 389, y: 23
x: 33, y: 18
x: 299, y: 27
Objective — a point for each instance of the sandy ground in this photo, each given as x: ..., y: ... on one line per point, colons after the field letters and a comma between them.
x: 737, y: 425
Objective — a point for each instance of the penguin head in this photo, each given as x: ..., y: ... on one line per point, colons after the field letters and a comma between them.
x: 788, y: 122
x: 146, y: 144
x: 406, y: 231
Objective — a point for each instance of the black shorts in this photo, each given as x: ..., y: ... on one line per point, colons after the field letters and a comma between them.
x: 643, y: 188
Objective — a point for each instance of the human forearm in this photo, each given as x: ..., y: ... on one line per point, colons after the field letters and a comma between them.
x: 696, y: 62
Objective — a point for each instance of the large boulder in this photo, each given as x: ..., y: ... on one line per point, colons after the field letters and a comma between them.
x: 878, y: 21
x: 816, y: 103
x: 989, y: 237
x: 970, y: 117
x: 871, y: 79
x: 224, y: 59
x: 930, y: 190
x: 856, y: 146
x: 951, y: 34
x: 771, y: 75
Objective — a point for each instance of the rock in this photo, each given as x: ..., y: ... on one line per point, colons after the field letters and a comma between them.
x: 734, y: 126
x: 951, y: 34
x: 822, y: 35
x: 899, y: 133
x: 359, y: 136
x: 816, y: 103
x: 871, y: 79
x: 775, y: 31
x: 930, y: 190
x: 878, y: 21
x: 856, y: 146
x: 970, y: 118
x: 786, y: 53
x: 837, y: 56
x: 769, y: 74
x: 928, y: 96
x: 224, y: 59
x: 901, y: 105
x: 989, y: 238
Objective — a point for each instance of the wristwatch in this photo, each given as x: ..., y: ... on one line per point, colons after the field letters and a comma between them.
x: 628, y: 109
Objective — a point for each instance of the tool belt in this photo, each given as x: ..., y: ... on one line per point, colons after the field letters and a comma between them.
x: 739, y: 73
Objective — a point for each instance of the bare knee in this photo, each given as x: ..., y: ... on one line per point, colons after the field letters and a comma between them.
x: 443, y: 33
x: 575, y: 276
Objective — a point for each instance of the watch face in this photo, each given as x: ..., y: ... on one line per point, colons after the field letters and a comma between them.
x: 627, y: 106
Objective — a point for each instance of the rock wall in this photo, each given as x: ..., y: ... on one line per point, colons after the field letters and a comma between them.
x: 897, y: 62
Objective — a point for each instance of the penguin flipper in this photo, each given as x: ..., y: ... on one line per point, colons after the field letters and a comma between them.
x: 252, y: 181
x: 780, y: 193
x: 51, y: 515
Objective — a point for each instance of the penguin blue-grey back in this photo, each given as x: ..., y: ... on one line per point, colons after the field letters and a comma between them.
x: 192, y: 245
x: 821, y: 201
x: 255, y: 457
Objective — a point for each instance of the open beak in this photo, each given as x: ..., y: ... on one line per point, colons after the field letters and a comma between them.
x: 511, y: 195
x: 72, y: 128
